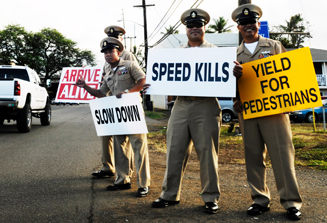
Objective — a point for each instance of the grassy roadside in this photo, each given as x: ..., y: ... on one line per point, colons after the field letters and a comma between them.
x: 310, y: 146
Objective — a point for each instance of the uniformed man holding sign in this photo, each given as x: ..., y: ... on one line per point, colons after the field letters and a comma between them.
x: 124, y: 77
x: 193, y: 120
x: 108, y: 161
x: 270, y: 132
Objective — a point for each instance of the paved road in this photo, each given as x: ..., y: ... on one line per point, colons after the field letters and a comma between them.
x: 45, y: 174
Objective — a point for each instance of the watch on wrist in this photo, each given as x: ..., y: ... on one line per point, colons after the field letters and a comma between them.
x: 126, y: 91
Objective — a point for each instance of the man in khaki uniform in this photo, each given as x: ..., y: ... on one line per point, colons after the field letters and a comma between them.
x: 272, y: 133
x: 108, y: 161
x: 194, y: 120
x: 124, y: 77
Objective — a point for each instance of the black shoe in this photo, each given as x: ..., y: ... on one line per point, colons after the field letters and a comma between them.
x: 293, y: 213
x: 162, y: 203
x: 142, y: 192
x: 119, y: 187
x: 102, y: 174
x: 257, y: 209
x: 211, y: 207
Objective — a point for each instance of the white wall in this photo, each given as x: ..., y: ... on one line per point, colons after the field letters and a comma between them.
x: 159, y: 101
x: 218, y: 39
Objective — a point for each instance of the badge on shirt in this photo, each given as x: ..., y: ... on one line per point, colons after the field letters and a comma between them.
x: 265, y: 54
x: 122, y: 71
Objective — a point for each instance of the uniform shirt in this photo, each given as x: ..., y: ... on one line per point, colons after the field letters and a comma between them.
x: 125, y: 55
x: 265, y: 48
x: 205, y: 44
x: 124, y: 77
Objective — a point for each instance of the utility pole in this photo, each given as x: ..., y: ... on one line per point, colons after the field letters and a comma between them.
x: 242, y: 2
x: 145, y: 31
x: 124, y: 28
x: 131, y: 37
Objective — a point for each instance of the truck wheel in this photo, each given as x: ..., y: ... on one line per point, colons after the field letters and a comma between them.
x: 227, y: 116
x: 45, y: 117
x: 24, y: 119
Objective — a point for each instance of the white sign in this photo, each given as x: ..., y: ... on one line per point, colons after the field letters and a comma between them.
x: 123, y: 116
x: 68, y: 92
x: 192, y: 72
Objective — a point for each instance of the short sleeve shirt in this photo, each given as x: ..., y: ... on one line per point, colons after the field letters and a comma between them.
x: 265, y: 48
x: 125, y: 55
x: 124, y: 77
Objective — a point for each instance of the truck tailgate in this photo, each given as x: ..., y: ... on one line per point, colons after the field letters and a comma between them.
x: 6, y: 88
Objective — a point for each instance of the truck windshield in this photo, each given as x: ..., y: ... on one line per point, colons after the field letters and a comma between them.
x: 14, y: 73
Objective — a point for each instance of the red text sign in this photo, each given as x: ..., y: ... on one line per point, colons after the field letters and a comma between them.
x: 68, y: 92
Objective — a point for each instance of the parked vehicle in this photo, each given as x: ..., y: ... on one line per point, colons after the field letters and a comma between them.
x: 22, y: 97
x: 226, y: 104
x: 307, y: 114
x: 228, y: 112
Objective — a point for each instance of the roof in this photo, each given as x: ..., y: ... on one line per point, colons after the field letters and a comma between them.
x: 318, y: 55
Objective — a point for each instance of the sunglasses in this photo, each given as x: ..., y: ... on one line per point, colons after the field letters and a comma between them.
x: 190, y: 25
x: 245, y: 22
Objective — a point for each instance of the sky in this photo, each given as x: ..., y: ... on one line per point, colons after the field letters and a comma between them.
x: 84, y: 21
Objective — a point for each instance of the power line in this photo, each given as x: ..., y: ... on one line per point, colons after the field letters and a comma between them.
x: 162, y: 18
x: 147, y: 40
x: 174, y: 27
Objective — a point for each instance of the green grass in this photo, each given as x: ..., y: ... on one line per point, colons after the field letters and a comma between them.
x: 310, y: 147
x: 156, y: 115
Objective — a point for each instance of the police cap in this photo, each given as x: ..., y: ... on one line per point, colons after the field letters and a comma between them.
x: 110, y: 43
x: 114, y: 31
x: 195, y: 15
x: 246, y: 12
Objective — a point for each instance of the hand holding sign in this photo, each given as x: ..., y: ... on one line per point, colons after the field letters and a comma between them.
x: 237, y: 70
x: 145, y: 87
x: 80, y: 82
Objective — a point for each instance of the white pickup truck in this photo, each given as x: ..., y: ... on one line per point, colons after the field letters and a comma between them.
x: 22, y: 97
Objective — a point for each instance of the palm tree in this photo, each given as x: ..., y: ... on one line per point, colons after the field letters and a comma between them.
x: 219, y: 26
x: 292, y: 35
x: 170, y: 30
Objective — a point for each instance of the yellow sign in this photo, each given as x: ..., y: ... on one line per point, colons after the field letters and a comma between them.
x: 282, y: 83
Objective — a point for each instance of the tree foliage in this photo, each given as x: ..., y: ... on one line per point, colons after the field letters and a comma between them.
x: 219, y: 26
x: 47, y: 51
x: 293, y: 28
x: 170, y: 30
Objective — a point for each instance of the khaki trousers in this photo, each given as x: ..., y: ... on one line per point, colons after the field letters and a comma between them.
x: 197, y: 122
x: 108, y: 159
x: 123, y: 155
x: 272, y: 133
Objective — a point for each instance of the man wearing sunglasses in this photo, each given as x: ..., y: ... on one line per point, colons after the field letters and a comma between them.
x: 272, y: 133
x: 194, y: 120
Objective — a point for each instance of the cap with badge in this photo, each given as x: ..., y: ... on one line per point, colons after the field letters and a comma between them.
x: 110, y: 43
x: 195, y: 17
x: 114, y: 31
x: 247, y: 13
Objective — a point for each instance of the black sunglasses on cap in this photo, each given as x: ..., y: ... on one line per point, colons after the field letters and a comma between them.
x: 245, y: 22
x: 190, y: 25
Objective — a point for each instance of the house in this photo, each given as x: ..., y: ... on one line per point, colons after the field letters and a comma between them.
x: 319, y: 58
